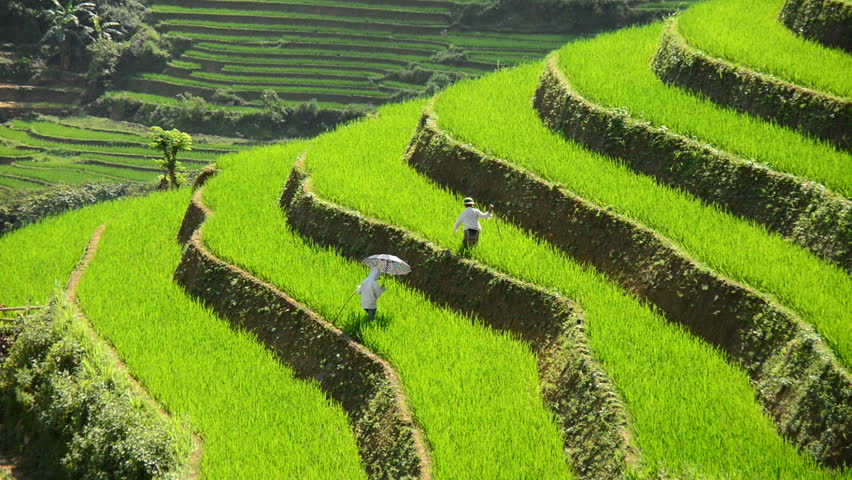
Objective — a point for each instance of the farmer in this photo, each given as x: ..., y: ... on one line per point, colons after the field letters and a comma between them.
x: 370, y: 291
x: 470, y: 218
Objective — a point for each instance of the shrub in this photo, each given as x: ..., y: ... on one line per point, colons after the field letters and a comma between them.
x: 81, y: 416
x: 451, y: 56
x: 227, y: 98
x: 31, y: 207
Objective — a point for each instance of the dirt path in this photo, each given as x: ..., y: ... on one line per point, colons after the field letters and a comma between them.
x: 73, y: 283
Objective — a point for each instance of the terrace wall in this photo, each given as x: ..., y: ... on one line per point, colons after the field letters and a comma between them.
x: 389, y: 441
x: 825, y: 21
x: 574, y: 386
x: 821, y: 115
x: 797, y: 379
x: 803, y: 211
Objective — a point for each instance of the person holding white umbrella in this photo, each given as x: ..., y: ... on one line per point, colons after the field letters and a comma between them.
x: 370, y: 291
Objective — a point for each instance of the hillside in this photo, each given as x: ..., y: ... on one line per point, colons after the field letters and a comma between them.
x: 664, y: 291
x: 267, y: 70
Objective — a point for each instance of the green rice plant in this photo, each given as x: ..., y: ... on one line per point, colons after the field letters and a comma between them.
x: 181, y: 63
x: 124, y: 161
x: 52, y: 174
x: 740, y: 250
x: 694, y: 414
x: 284, y: 52
x: 171, y: 101
x: 228, y: 13
x: 396, y: 7
x: 162, y: 100
x: 241, y: 399
x: 59, y: 148
x: 285, y: 70
x: 18, y: 184
x: 37, y: 260
x: 509, y: 42
x: 325, y: 41
x: 12, y: 152
x: 118, y: 173
x: 750, y: 34
x: 256, y: 88
x: 589, y: 67
x: 179, y: 22
x: 403, y: 85
x: 198, y: 54
x: 98, y: 123
x: 473, y: 391
x: 62, y: 131
x: 280, y: 80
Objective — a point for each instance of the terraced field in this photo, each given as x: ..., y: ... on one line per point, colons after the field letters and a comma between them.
x: 73, y: 150
x: 333, y: 52
x: 658, y: 296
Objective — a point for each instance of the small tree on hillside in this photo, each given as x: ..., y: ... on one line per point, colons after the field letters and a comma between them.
x: 170, y: 143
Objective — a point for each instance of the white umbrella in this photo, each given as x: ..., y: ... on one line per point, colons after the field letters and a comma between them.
x: 387, y: 264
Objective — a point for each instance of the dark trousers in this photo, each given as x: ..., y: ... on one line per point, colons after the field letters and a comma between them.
x: 471, y: 237
x: 371, y: 313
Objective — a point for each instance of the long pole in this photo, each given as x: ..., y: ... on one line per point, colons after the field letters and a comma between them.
x: 344, y: 306
x: 491, y: 209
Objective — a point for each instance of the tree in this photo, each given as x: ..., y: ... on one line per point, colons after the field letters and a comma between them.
x: 171, y: 143
x: 67, y: 22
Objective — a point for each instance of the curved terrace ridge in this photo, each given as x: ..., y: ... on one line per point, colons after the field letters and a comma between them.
x: 796, y: 208
x: 767, y: 340
x: 390, y: 443
x: 194, y: 460
x: 576, y: 388
x: 826, y: 21
x: 766, y: 96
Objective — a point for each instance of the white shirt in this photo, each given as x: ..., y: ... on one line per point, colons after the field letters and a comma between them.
x: 470, y: 218
x: 370, y: 291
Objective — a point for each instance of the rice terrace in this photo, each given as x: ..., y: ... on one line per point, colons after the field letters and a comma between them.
x: 426, y: 239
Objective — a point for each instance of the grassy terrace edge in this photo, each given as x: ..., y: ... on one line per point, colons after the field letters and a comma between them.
x: 769, y: 343
x: 798, y: 209
x: 678, y: 63
x: 575, y: 388
x: 366, y: 386
x: 103, y: 395
x: 826, y: 21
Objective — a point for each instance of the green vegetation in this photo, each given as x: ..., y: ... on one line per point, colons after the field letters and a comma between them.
x: 737, y: 249
x: 76, y: 415
x: 656, y: 366
x: 496, y: 425
x: 256, y: 88
x: 171, y: 143
x: 227, y: 13
x: 77, y: 150
x: 26, y: 207
x: 198, y: 54
x: 280, y: 80
x: 588, y: 66
x: 201, y: 368
x: 749, y: 34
